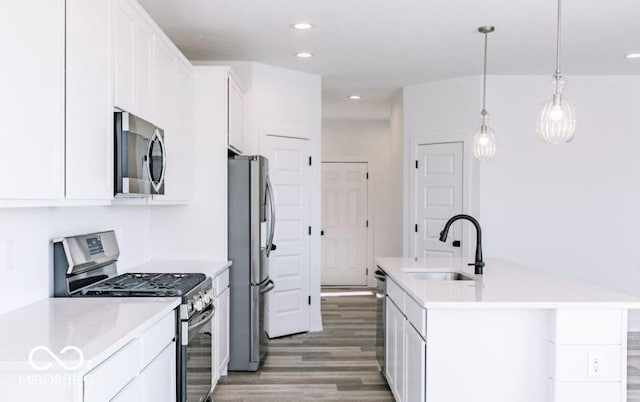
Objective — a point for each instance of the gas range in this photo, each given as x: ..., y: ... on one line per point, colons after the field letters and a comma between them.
x: 85, y: 266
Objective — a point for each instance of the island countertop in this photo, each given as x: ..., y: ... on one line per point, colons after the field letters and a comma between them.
x: 503, y: 285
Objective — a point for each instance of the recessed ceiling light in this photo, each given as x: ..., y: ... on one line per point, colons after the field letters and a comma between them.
x: 355, y: 97
x: 302, y: 26
x: 304, y: 55
x: 633, y: 56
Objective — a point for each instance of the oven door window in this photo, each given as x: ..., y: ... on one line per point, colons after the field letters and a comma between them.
x: 199, y: 356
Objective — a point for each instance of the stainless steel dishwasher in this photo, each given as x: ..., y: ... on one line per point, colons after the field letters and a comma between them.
x: 381, y: 293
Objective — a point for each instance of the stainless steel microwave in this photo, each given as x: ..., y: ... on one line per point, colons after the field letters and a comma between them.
x: 140, y: 157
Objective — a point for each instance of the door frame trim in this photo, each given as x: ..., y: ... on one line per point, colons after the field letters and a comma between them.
x: 470, y: 187
x: 371, y: 280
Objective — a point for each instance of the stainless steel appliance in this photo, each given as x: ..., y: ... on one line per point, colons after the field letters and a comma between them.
x: 251, y: 229
x: 381, y: 293
x: 85, y: 266
x: 140, y: 157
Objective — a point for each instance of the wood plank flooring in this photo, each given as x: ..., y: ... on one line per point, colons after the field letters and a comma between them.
x: 339, y: 363
x: 633, y: 367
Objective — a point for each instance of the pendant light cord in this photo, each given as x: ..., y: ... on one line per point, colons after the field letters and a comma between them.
x: 559, y: 33
x: 484, y: 83
x: 558, y: 75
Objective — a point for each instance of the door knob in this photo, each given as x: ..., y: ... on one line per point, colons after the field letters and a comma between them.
x: 322, y: 233
x: 456, y: 243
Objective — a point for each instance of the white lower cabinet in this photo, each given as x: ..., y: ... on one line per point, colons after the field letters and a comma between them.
x: 220, y: 349
x: 405, y: 349
x: 394, y: 341
x: 415, y: 361
x: 142, y: 371
x: 157, y: 380
x: 223, y: 333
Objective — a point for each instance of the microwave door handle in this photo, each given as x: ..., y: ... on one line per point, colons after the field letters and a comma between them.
x: 273, y: 216
x: 158, y: 184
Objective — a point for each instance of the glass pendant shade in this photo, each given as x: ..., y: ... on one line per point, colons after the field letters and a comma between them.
x: 557, y: 119
x: 484, y: 139
x: 484, y: 143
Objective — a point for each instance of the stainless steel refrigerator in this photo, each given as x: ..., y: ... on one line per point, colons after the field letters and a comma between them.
x: 251, y: 229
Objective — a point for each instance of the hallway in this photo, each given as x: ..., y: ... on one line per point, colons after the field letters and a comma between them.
x: 337, y: 364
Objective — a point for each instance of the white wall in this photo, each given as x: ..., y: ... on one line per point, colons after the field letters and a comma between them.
x: 572, y: 209
x: 198, y: 231
x: 371, y: 141
x: 31, y: 231
x: 288, y: 103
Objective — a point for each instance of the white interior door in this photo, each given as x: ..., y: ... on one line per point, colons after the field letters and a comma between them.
x: 344, y: 223
x: 438, y: 196
x: 287, y: 305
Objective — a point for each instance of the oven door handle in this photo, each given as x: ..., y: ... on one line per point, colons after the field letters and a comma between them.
x: 207, y: 315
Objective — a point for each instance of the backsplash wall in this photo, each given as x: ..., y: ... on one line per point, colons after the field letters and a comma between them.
x: 30, y: 231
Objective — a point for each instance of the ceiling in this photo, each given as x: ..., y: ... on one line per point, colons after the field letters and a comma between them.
x: 374, y: 47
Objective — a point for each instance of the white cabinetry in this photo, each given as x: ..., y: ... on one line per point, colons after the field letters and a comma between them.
x: 134, y: 78
x: 89, y: 101
x: 175, y: 103
x: 158, y: 380
x: 394, y: 340
x: 235, y: 119
x: 221, y: 337
x: 115, y: 57
x: 406, y: 348
x: 143, y: 371
x: 32, y: 99
x: 415, y: 363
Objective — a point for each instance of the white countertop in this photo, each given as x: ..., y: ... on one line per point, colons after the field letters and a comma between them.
x: 209, y: 268
x: 503, y: 285
x: 97, y: 326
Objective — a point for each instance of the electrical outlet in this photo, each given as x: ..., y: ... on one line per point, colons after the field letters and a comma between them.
x: 9, y: 255
x: 594, y: 364
x: 3, y: 263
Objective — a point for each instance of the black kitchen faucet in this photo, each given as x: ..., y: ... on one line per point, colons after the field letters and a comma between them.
x: 479, y: 264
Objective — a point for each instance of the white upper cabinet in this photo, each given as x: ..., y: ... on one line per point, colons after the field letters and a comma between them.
x: 89, y: 100
x: 115, y: 57
x: 176, y: 101
x: 134, y: 72
x: 32, y: 100
x: 235, y: 122
x: 123, y: 58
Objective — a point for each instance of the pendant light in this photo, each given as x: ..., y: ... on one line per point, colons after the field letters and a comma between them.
x: 557, y: 120
x: 484, y: 139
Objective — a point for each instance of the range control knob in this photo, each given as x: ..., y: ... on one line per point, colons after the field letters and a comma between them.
x: 197, y: 303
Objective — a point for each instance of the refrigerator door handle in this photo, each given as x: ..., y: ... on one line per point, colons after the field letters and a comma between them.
x: 269, y: 287
x: 272, y: 224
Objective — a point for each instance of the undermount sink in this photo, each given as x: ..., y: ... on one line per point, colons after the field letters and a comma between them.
x: 438, y: 276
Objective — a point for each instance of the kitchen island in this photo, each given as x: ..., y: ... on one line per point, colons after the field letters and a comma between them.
x: 512, y: 334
